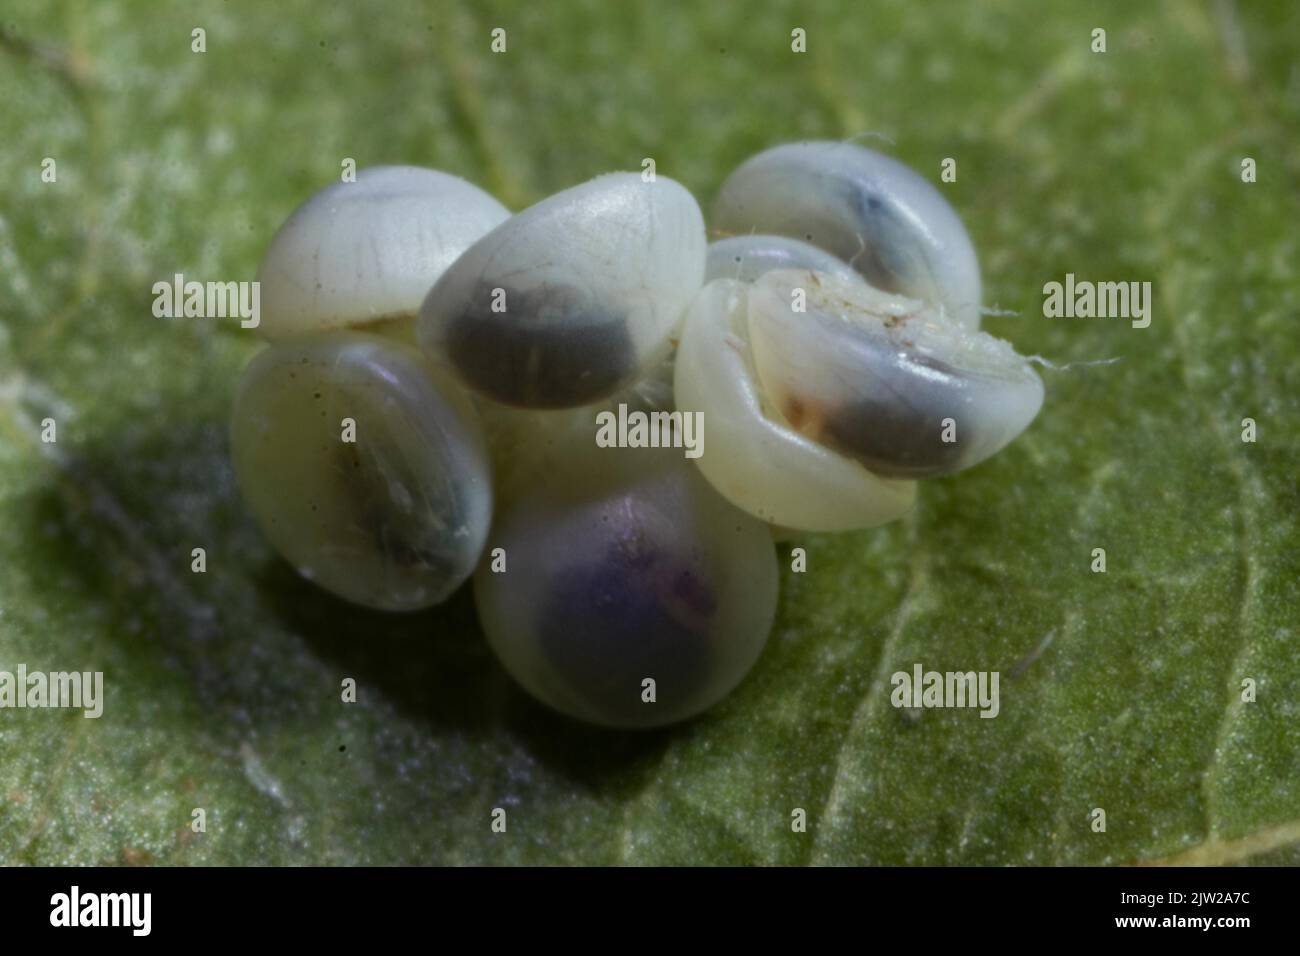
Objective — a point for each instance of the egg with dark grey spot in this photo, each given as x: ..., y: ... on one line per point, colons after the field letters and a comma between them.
x: 758, y: 457
x: 573, y: 298
x: 575, y: 352
x: 880, y: 216
x: 622, y: 566
x: 883, y: 379
x: 655, y: 602
x: 901, y: 439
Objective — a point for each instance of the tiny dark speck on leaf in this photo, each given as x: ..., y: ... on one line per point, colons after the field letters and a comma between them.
x: 342, y: 747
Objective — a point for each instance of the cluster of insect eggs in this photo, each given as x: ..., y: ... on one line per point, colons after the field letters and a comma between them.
x: 425, y: 411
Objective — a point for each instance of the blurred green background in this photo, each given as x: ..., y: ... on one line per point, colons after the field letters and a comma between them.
x: 1120, y: 690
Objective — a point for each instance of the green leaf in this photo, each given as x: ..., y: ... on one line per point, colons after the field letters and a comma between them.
x: 1119, y: 690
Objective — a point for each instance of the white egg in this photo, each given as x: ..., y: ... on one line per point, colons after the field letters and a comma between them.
x: 745, y: 258
x: 630, y: 594
x: 883, y: 380
x: 867, y: 209
x: 752, y: 456
x: 364, y: 253
x: 394, y: 518
x: 573, y: 298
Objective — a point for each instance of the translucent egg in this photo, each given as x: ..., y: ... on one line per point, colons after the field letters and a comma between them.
x: 884, y: 380
x: 871, y: 211
x: 752, y: 456
x: 573, y: 298
x: 745, y: 258
x: 365, y: 473
x: 366, y: 252
x: 627, y: 578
